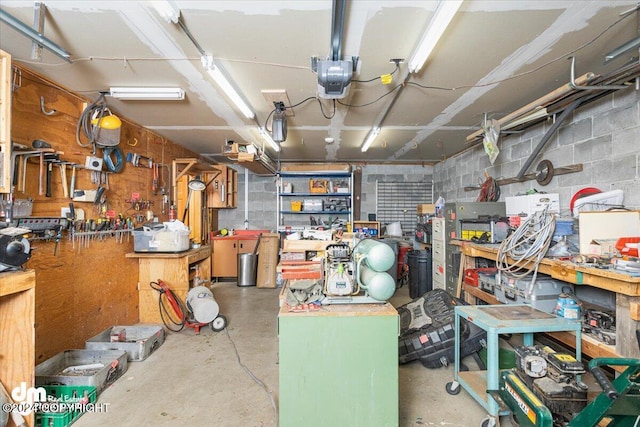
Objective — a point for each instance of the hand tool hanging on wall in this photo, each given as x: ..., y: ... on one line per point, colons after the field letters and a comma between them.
x: 63, y: 178
x: 49, y: 159
x: 154, y: 183
x: 135, y: 159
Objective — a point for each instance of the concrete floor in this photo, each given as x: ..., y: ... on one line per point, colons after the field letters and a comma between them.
x: 198, y: 381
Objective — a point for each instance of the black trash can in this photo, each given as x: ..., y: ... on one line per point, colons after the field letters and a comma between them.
x: 420, y: 273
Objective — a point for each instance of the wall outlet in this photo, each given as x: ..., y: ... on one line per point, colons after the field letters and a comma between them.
x: 93, y: 163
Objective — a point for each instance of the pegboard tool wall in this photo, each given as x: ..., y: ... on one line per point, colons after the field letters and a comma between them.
x: 81, y: 291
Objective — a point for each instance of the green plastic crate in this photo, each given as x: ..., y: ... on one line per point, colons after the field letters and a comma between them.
x: 53, y: 419
x: 71, y: 394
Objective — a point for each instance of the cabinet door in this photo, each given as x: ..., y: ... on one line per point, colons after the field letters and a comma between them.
x: 246, y: 246
x: 223, y: 190
x: 365, y: 374
x: 225, y: 258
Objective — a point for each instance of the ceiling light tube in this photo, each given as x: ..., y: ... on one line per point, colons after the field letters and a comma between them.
x: 167, y: 9
x: 536, y: 114
x: 269, y: 140
x: 225, y: 85
x: 147, y: 93
x: 372, y: 136
x: 34, y: 35
x: 631, y: 44
x: 443, y: 15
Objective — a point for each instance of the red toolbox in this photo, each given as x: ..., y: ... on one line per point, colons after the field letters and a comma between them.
x: 471, y: 275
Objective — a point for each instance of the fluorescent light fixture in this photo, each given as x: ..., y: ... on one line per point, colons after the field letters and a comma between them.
x: 443, y: 15
x: 167, y: 9
x: 372, y: 136
x: 147, y: 93
x: 536, y: 114
x: 269, y: 140
x: 631, y: 44
x: 37, y: 37
x: 225, y: 85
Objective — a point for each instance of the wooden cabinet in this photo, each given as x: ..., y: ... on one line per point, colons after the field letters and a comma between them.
x: 189, y: 203
x: 177, y: 270
x: 339, y: 366
x: 222, y: 193
x: 371, y: 228
x: 5, y: 122
x: 225, y: 255
x: 17, y: 339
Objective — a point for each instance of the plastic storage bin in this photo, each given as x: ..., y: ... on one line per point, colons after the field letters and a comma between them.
x: 160, y: 240
x: 21, y: 208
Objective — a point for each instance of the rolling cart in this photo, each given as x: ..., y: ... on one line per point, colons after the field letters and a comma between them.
x: 496, y: 320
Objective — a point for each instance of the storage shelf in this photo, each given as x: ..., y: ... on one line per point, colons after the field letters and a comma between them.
x: 302, y: 180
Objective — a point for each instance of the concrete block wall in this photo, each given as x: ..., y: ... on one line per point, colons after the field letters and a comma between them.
x: 261, y: 212
x: 604, y: 136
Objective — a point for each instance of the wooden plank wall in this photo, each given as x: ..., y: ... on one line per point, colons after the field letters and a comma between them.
x: 81, y: 291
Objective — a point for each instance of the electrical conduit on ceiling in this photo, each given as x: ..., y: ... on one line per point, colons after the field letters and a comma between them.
x: 569, y: 21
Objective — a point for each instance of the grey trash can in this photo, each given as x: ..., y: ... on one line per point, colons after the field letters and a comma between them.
x: 247, y: 269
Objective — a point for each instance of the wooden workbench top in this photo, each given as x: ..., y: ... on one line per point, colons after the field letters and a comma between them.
x: 12, y: 282
x: 203, y: 251
x: 613, y: 280
x: 341, y: 310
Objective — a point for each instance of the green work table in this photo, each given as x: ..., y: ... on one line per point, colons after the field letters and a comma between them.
x: 339, y: 366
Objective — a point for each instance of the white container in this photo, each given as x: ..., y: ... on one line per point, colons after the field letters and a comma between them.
x: 312, y: 205
x: 519, y: 208
x: 160, y: 240
x: 394, y: 229
x: 201, y: 303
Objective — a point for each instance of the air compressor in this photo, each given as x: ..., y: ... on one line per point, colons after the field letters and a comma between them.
x: 372, y: 260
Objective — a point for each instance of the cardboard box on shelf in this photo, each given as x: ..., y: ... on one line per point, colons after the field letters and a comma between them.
x: 603, y: 247
x: 426, y: 209
x: 609, y: 225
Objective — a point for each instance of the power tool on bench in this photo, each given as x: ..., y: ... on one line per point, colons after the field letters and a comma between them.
x: 553, y: 378
x: 544, y: 390
x: 339, y: 279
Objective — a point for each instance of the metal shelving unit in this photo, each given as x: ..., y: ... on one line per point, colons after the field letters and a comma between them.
x: 332, y: 202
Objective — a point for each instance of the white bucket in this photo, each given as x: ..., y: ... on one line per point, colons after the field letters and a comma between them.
x: 394, y: 229
x: 201, y: 303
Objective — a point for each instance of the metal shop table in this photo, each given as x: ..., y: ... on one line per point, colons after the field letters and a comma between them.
x: 496, y: 320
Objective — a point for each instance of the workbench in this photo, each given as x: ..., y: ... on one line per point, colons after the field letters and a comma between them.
x: 339, y: 366
x: 176, y: 269
x: 17, y: 338
x: 625, y: 286
x: 496, y: 320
